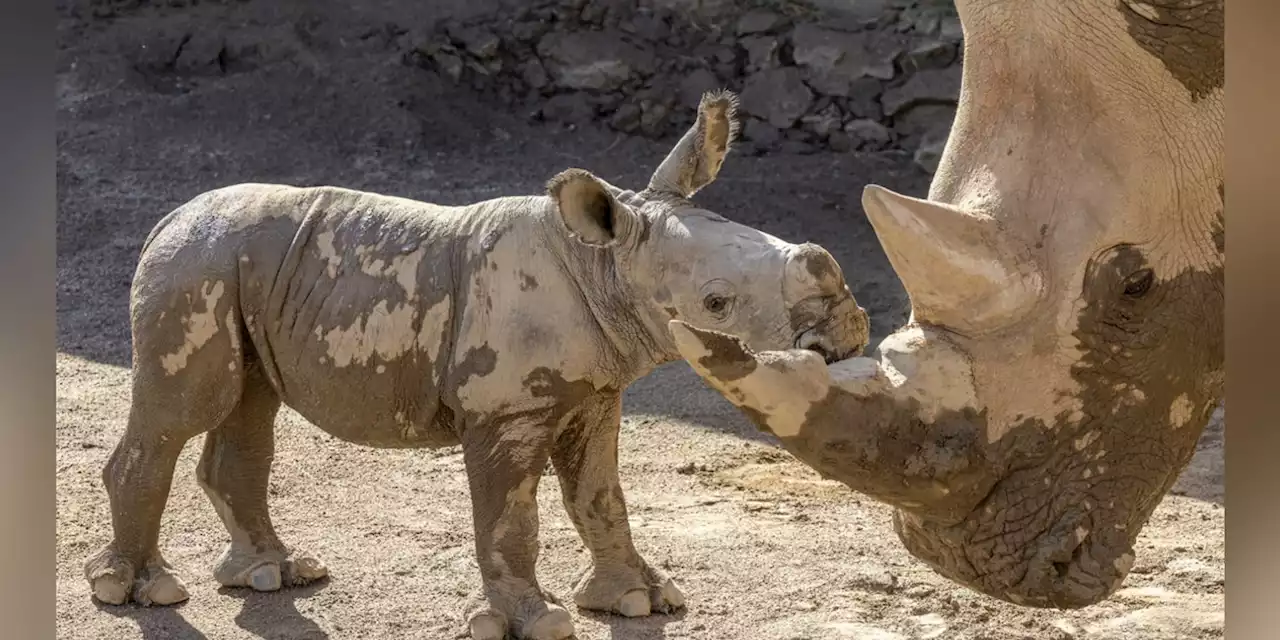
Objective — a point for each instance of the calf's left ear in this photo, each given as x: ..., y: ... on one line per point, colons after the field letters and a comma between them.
x: 695, y: 161
x: 587, y: 207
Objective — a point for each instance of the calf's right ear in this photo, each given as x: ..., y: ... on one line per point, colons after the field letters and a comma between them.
x: 588, y: 208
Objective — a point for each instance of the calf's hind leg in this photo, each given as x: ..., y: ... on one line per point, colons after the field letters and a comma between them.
x: 186, y: 379
x: 233, y: 472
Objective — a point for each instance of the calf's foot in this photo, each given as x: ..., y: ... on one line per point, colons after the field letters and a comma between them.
x: 267, y: 570
x: 541, y: 621
x: 631, y: 592
x: 114, y: 580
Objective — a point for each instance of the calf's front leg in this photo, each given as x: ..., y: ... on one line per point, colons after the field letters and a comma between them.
x: 504, y: 460
x: 585, y: 455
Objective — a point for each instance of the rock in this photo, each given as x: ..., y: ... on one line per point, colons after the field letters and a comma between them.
x: 840, y: 142
x: 477, y: 41
x: 762, y: 133
x: 804, y: 605
x: 202, y: 52
x: 759, y: 21
x: 833, y: 60
x: 798, y: 147
x: 695, y: 84
x: 864, y: 99
x: 868, y: 134
x: 450, y: 64
x: 569, y: 108
x: 950, y: 29
x: 529, y: 31
x: 778, y: 96
x: 929, y: 153
x: 650, y: 28
x: 930, y: 54
x: 859, y: 631
x: 626, y: 118
x: 914, y: 123
x: 762, y: 52
x: 596, y: 60
x: 876, y: 580
x: 824, y: 122
x: 533, y: 74
x: 936, y: 86
x: 653, y: 120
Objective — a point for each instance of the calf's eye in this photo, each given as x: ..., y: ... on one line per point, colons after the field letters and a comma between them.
x: 1138, y: 283
x: 715, y: 303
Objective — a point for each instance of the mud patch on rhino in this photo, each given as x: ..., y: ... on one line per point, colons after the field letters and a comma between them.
x: 728, y: 358
x: 1185, y: 35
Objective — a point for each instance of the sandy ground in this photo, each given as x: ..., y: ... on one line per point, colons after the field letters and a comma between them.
x: 763, y: 548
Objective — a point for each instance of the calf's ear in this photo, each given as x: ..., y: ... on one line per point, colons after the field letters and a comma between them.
x: 588, y: 208
x: 695, y: 161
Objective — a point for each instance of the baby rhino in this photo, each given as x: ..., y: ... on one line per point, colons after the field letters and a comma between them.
x: 510, y: 326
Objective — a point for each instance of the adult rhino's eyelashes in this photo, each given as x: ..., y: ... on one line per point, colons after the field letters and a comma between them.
x: 1138, y: 283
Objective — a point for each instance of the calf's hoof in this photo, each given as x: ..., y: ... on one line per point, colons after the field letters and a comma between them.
x: 627, y: 596
x: 554, y: 624
x: 267, y: 571
x: 113, y: 581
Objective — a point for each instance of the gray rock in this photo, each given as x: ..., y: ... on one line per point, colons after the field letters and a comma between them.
x: 915, y: 123
x: 626, y: 118
x: 777, y: 96
x: 840, y: 142
x: 695, y: 84
x: 478, y: 41
x: 833, y: 60
x: 569, y: 108
x: 759, y: 21
x: 529, y: 31
x: 864, y: 98
x: 597, y: 60
x: 450, y: 64
x: 762, y: 52
x: 761, y: 133
x: 930, y: 86
x: 653, y: 120
x: 824, y: 122
x: 533, y: 74
x: 201, y: 53
x: 950, y: 29
x: 930, y: 54
x: 868, y: 134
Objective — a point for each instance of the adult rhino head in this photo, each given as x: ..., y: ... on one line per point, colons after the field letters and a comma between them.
x: 1065, y: 345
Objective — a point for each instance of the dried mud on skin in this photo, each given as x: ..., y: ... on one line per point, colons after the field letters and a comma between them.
x: 158, y: 102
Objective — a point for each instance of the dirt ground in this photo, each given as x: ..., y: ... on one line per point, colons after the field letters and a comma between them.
x: 763, y: 548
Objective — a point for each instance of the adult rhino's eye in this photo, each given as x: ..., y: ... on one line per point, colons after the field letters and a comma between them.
x: 715, y: 303
x: 1138, y: 283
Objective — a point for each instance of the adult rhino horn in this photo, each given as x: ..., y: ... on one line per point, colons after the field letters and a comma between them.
x: 960, y: 269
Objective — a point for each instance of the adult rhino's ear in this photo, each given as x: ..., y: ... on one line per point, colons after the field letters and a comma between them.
x: 695, y: 161
x: 588, y: 208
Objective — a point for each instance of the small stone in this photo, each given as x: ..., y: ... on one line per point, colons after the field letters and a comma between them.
x: 761, y: 133
x: 868, y: 134
x: 478, y: 41
x: 950, y: 29
x: 804, y: 605
x: 928, y: 86
x: 534, y: 74
x: 929, y: 153
x: 840, y: 142
x: 759, y: 21
x: 876, y: 580
x: 778, y: 96
x: 654, y: 119
x: 596, y: 60
x: 202, y: 53
x: 626, y: 118
x: 762, y: 52
x: 919, y: 591
x: 450, y: 64
x: 824, y: 122
x: 798, y: 147
x: 529, y: 31
x: 931, y: 54
x: 915, y: 123
x: 696, y: 84
x: 570, y: 108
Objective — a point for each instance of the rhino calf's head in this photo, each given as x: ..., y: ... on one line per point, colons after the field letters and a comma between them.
x: 682, y: 262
